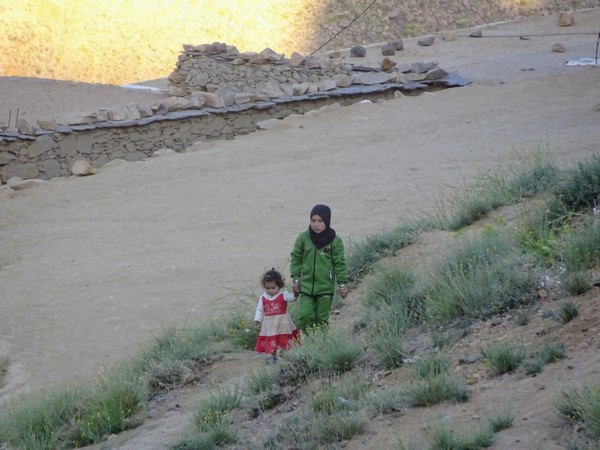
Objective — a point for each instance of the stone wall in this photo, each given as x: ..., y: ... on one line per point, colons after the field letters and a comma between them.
x: 246, y: 89
x: 238, y: 78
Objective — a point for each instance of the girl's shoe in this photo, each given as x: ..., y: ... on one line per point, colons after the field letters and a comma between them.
x: 271, y: 359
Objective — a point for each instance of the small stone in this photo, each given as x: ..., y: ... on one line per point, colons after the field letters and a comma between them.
x: 358, y: 51
x: 388, y: 49
x: 82, y: 168
x: 387, y: 64
x: 398, y: 44
x: 46, y: 124
x: 448, y: 36
x: 426, y: 41
x: 565, y: 19
x: 25, y: 127
x: 436, y: 74
x: 543, y: 294
x: 559, y: 48
x: 296, y: 60
x: 476, y: 34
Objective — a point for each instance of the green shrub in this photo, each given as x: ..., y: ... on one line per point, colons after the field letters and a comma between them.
x: 540, y: 237
x: 435, y: 390
x: 241, y: 331
x: 444, y: 438
x: 522, y: 318
x: 470, y: 203
x: 314, y: 431
x: 261, y: 380
x: 387, y: 347
x: 580, y: 188
x: 218, y: 434
x: 581, y: 248
x: 551, y: 352
x: 396, y: 286
x: 430, y: 367
x: 577, y: 283
x: 480, y: 278
x: 582, y: 406
x: 501, y: 421
x: 175, y: 355
x: 533, y: 177
x: 503, y: 357
x: 385, y: 401
x: 568, y: 311
x: 75, y: 417
x: 533, y: 366
x: 338, y: 393
x: 363, y: 255
x: 211, y: 410
x: 322, y: 351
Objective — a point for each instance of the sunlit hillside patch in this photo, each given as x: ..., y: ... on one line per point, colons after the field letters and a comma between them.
x: 125, y: 41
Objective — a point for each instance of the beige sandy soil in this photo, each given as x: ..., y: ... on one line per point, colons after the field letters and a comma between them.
x: 91, y: 267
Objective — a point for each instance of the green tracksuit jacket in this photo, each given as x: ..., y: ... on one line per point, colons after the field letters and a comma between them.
x: 318, y: 269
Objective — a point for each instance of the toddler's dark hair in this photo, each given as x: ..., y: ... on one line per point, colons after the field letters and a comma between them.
x: 272, y: 275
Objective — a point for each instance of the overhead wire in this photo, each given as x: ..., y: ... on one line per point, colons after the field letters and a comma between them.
x: 521, y: 36
x: 344, y: 28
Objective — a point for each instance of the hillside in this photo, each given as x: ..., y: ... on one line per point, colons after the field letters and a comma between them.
x: 92, y: 269
x: 389, y: 19
x: 530, y: 399
x: 126, y: 42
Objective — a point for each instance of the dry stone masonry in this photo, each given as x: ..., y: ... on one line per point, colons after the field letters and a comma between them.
x: 215, y: 92
x: 239, y: 78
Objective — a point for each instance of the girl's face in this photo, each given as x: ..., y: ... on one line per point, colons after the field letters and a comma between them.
x: 271, y: 287
x: 317, y: 224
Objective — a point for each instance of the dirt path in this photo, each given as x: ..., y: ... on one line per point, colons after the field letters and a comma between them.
x: 91, y: 267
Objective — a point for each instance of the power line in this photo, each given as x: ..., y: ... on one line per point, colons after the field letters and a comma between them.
x: 344, y: 28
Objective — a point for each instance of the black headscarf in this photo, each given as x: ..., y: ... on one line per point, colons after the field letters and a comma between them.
x: 325, y: 237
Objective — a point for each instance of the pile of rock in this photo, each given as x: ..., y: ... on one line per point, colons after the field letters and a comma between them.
x: 242, y: 77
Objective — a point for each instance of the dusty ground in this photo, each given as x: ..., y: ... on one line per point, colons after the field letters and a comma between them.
x: 91, y: 267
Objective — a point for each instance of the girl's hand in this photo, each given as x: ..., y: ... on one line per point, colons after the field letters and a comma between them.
x: 296, y: 288
x: 257, y: 325
x: 343, y: 291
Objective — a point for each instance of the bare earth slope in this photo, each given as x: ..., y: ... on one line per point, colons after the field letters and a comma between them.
x: 91, y: 267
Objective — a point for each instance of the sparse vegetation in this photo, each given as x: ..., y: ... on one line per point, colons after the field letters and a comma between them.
x: 444, y: 438
x: 582, y: 406
x: 501, y: 421
x: 434, y: 390
x: 568, y: 311
x: 364, y: 255
x: 503, y: 357
x: 481, y: 277
x: 332, y: 372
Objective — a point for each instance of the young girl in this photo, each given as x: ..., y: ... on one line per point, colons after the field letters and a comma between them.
x: 317, y: 263
x: 277, y: 330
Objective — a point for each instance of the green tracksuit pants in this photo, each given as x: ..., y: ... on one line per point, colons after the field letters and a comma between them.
x: 314, y: 310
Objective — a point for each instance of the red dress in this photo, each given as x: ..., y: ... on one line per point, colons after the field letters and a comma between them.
x: 277, y: 330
